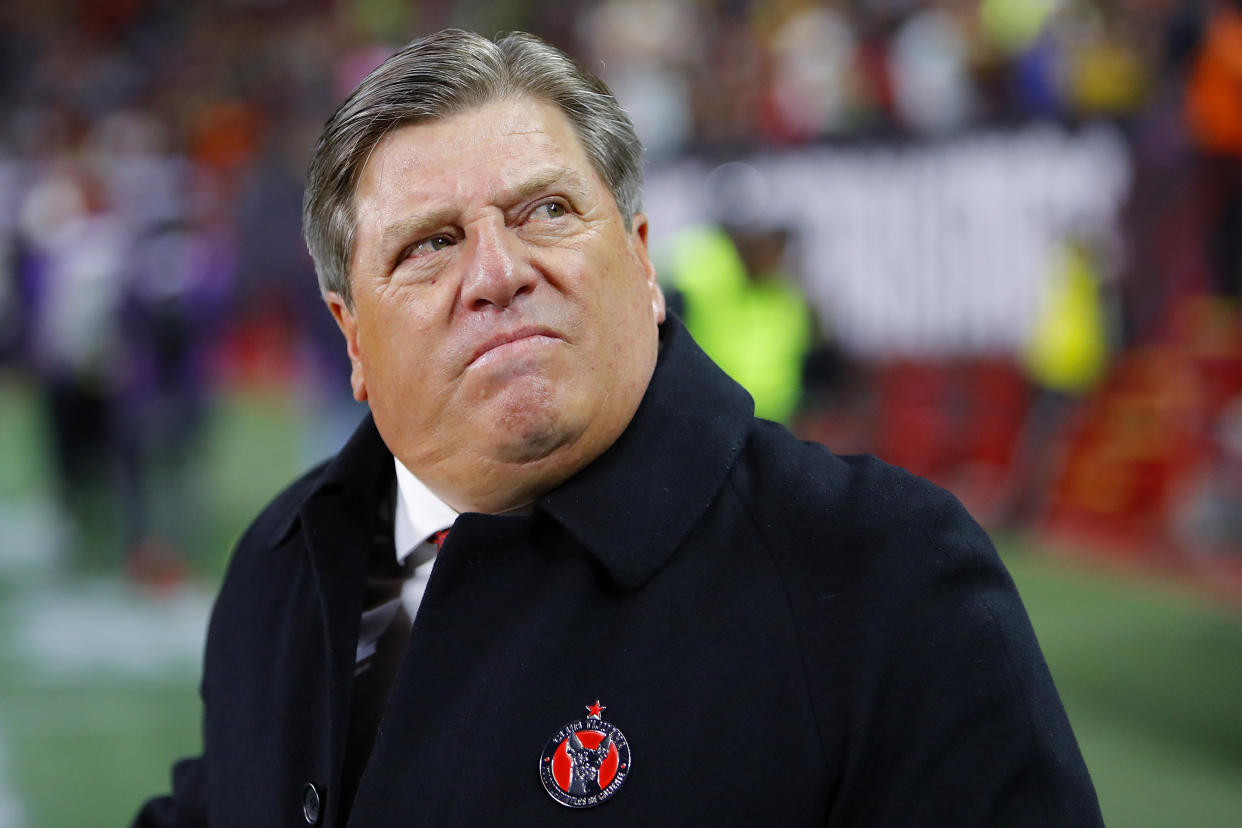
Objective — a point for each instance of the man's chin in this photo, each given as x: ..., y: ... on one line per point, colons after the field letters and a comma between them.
x: 526, y: 422
x: 525, y: 437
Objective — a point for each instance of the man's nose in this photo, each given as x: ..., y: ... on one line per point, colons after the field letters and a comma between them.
x: 497, y: 268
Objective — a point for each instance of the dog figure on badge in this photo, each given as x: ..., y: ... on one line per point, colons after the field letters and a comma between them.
x: 584, y: 778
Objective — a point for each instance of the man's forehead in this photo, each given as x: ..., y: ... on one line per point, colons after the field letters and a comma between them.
x: 488, y: 134
x: 513, y: 144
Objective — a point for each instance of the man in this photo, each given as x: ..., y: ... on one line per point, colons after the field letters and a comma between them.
x: 761, y: 633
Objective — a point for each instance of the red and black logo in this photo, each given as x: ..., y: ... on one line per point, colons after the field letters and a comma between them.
x: 586, y: 761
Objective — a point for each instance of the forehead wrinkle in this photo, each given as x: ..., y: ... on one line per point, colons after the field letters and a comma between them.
x: 505, y: 197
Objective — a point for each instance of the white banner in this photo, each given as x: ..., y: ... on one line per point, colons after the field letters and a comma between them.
x: 931, y: 249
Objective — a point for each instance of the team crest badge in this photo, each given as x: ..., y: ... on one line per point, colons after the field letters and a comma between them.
x: 586, y: 761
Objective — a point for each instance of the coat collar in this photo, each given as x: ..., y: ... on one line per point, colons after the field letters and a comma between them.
x: 634, y: 504
x: 638, y: 501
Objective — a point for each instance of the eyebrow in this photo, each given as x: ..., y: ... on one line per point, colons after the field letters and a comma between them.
x: 545, y: 180
x: 436, y: 217
x: 403, y: 228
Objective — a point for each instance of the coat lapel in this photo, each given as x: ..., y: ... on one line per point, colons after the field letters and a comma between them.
x: 338, y: 555
x: 338, y: 521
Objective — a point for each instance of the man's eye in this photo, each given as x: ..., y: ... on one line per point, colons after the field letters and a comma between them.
x: 550, y: 210
x: 430, y: 245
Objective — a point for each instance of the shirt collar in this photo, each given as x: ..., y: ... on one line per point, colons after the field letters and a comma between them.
x: 420, y: 514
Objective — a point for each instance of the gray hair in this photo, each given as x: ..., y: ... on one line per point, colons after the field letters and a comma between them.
x: 440, y: 75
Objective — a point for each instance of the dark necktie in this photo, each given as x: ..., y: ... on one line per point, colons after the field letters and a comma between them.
x: 383, y: 632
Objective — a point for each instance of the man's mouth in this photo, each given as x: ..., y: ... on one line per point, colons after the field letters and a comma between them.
x: 512, y: 342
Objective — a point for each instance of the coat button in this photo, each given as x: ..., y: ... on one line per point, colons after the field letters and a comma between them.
x: 311, y: 804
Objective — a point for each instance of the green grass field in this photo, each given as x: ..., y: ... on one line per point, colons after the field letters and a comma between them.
x: 97, y: 680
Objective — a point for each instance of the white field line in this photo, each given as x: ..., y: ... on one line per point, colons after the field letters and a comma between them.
x: 95, y: 629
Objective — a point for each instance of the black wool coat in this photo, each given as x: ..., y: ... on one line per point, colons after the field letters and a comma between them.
x: 783, y: 636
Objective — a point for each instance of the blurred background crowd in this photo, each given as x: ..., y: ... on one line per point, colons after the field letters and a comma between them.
x: 996, y: 242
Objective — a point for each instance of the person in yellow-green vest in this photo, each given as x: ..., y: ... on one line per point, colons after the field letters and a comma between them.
x: 744, y: 311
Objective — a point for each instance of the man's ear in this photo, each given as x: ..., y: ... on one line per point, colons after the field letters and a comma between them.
x: 638, y: 240
x: 348, y: 324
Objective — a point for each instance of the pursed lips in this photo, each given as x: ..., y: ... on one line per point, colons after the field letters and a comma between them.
x: 509, y: 337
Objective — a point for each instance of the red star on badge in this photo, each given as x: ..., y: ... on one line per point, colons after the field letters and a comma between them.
x: 596, y: 709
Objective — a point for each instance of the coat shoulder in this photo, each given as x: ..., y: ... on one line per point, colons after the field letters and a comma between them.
x: 816, y: 504
x: 912, y: 634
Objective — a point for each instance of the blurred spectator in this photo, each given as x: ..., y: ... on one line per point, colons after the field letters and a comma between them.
x: 1214, y: 115
x: 1214, y: 93
x: 740, y: 304
x: 175, y: 300
x: 1066, y: 356
x: 644, y: 51
x: 813, y: 93
x: 74, y: 259
x: 933, y: 91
